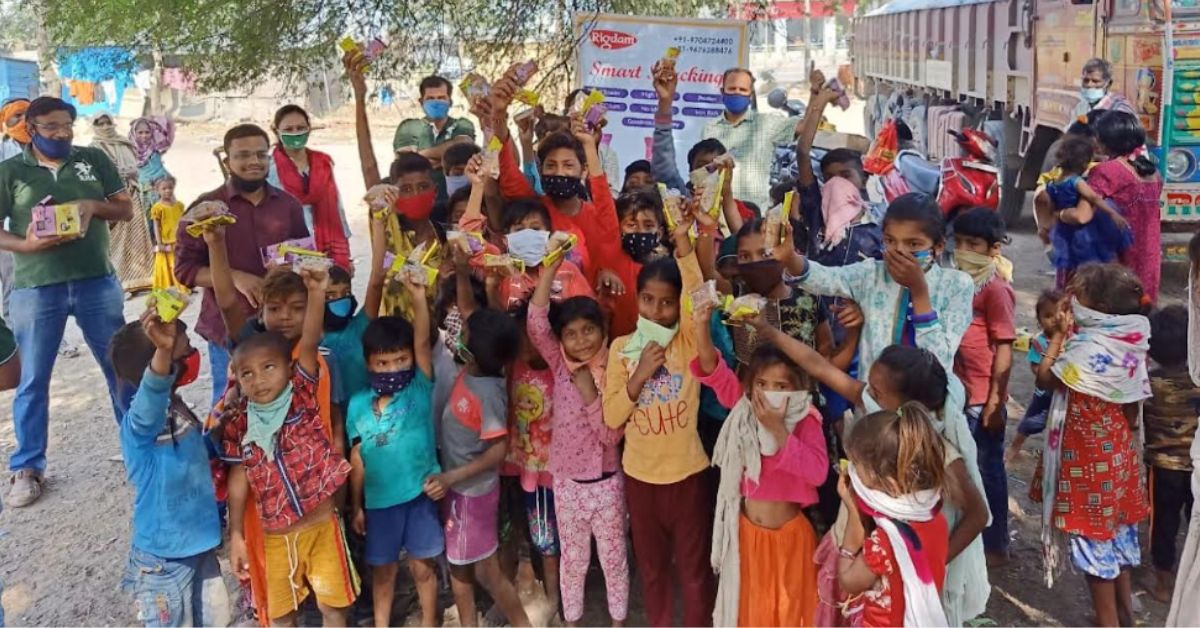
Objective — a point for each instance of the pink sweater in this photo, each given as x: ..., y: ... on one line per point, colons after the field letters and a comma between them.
x: 581, y: 446
x: 794, y: 472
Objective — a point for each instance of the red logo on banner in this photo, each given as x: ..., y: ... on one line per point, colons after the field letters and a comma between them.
x: 612, y: 40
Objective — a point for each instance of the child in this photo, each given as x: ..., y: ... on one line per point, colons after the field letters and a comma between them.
x: 345, y: 322
x: 1084, y: 227
x: 528, y: 227
x: 472, y: 441
x: 895, y: 476
x: 650, y: 390
x: 1048, y: 305
x: 773, y: 448
x: 164, y: 216
x: 901, y: 375
x: 984, y: 359
x: 409, y: 224
x: 589, y: 488
x: 1093, y: 493
x: 1170, y: 421
x: 173, y: 571
x: 282, y: 455
x: 454, y: 163
x: 906, y: 298
x: 393, y: 451
x: 640, y: 216
x: 638, y: 174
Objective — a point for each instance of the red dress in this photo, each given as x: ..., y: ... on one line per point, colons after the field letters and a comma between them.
x: 1100, y: 483
x: 883, y: 604
x: 1137, y: 200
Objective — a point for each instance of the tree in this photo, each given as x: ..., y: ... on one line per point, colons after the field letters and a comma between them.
x: 232, y: 43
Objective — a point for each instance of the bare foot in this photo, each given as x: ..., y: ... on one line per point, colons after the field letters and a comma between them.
x: 1163, y: 586
x: 995, y: 559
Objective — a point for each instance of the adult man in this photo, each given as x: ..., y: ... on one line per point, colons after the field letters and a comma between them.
x: 432, y: 135
x: 265, y: 215
x: 56, y: 277
x: 15, y: 138
x: 750, y: 136
x: 1095, y: 84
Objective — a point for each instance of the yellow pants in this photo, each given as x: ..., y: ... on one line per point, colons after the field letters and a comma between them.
x: 316, y: 558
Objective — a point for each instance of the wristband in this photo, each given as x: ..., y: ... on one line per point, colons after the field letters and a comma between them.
x: 928, y: 318
x: 845, y: 553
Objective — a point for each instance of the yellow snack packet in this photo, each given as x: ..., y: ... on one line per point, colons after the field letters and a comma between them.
x: 168, y: 303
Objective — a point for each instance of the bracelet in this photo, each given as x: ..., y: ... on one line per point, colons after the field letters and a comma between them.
x: 845, y: 553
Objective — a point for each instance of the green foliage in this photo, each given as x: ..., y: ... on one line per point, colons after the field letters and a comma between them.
x: 232, y: 43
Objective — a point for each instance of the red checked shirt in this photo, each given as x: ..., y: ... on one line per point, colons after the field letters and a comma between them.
x: 306, y: 470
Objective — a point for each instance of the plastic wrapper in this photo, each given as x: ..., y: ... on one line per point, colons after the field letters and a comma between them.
x: 672, y: 201
x: 744, y: 308
x: 558, y: 245
x: 473, y: 243
x: 56, y: 220
x: 491, y: 157
x: 504, y: 263
x: 287, y: 252
x: 168, y: 303
x: 707, y: 294
x: 670, y: 56
x: 317, y: 263
x: 707, y: 184
x: 420, y: 275
x: 528, y: 97
x: 377, y: 198
x: 774, y: 219
x: 590, y: 109
x: 371, y: 51
x: 474, y: 86
x: 525, y: 71
x: 206, y: 215
x: 843, y: 99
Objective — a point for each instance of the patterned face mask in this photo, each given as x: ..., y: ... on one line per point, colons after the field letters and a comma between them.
x: 453, y: 328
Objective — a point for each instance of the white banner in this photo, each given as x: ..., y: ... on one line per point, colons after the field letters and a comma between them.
x: 616, y: 54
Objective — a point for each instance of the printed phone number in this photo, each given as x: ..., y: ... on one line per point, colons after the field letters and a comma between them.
x: 701, y: 40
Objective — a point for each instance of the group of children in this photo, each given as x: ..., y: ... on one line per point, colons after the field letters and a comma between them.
x: 568, y: 375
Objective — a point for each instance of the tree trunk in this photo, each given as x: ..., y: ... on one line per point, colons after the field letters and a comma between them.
x: 156, y: 78
x: 48, y: 77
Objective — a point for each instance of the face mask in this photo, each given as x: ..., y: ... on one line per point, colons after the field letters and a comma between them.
x: 528, y: 245
x: 417, y: 207
x: 796, y: 404
x: 456, y: 182
x: 54, y: 149
x: 649, y: 331
x: 1092, y: 95
x: 737, y: 104
x: 294, y: 141
x: 338, y: 313
x: 870, y: 406
x: 639, y: 246
x: 924, y: 259
x: 761, y: 277
x: 436, y: 109
x: 187, y: 368
x: 246, y: 186
x: 392, y: 382
x: 460, y: 349
x: 562, y: 188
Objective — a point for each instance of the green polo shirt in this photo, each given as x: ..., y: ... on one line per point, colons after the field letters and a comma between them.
x: 421, y: 134
x: 87, y: 173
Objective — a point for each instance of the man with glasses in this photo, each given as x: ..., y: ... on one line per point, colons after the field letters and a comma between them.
x: 56, y: 277
x: 265, y: 215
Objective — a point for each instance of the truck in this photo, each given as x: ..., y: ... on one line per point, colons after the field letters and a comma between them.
x: 1014, y: 67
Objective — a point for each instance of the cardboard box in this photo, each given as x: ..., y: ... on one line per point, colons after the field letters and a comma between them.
x: 56, y: 220
x: 830, y: 140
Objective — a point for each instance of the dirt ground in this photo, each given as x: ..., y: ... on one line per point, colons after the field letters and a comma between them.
x: 61, y: 560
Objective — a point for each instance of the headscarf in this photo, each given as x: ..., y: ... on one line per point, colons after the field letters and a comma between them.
x: 1106, y: 359
x: 738, y: 452
x: 841, y: 203
x: 162, y: 134
x: 118, y: 149
x: 922, y: 604
x: 19, y: 132
x: 981, y: 267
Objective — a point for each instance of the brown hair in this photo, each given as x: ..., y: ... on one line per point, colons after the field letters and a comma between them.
x: 1109, y: 288
x: 281, y: 283
x: 899, y: 446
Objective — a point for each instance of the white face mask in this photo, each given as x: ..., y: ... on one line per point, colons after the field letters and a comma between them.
x: 528, y: 245
x: 797, y: 402
x: 1092, y: 95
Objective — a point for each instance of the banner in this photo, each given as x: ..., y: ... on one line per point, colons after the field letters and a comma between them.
x: 616, y: 54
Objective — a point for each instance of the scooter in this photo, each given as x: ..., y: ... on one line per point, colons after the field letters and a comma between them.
x: 972, y: 180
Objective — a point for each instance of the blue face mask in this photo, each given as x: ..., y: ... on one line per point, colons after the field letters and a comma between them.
x: 338, y: 313
x: 528, y: 245
x: 436, y: 109
x: 52, y: 148
x: 455, y: 182
x: 737, y: 104
x: 924, y: 258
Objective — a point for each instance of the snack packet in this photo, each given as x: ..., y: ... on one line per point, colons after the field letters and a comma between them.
x: 672, y: 202
x: 528, y: 97
x: 744, y: 308
x: 317, y: 262
x: 377, y: 197
x: 168, y: 303
x: 670, y: 55
x: 558, y: 245
x: 56, y: 220
x: 370, y: 52
x: 590, y: 109
x: 491, y: 157
x: 707, y: 184
x: 773, y: 221
x: 706, y: 294
x: 507, y: 264
x: 205, y: 215
x: 843, y: 100
x: 474, y: 86
x: 286, y: 253
x: 525, y: 71
x: 472, y: 242
x: 420, y: 275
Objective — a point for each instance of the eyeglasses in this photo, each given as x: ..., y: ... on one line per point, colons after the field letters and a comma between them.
x: 53, y: 128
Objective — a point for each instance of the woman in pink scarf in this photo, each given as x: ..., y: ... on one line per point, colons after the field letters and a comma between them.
x: 151, y: 138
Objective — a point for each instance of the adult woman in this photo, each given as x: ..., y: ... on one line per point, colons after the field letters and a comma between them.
x: 308, y: 175
x: 151, y: 137
x: 1130, y: 182
x: 130, y: 247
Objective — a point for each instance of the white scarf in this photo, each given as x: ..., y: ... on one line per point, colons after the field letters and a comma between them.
x: 1106, y: 359
x: 738, y: 452
x: 922, y: 603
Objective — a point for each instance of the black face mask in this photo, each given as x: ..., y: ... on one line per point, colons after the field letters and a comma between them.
x: 761, y: 277
x: 562, y: 188
x: 247, y: 186
x: 339, y: 312
x: 639, y: 246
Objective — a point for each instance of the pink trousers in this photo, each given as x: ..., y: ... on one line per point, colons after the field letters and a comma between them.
x: 585, y: 510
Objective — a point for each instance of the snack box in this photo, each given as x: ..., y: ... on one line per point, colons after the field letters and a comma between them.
x: 56, y: 220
